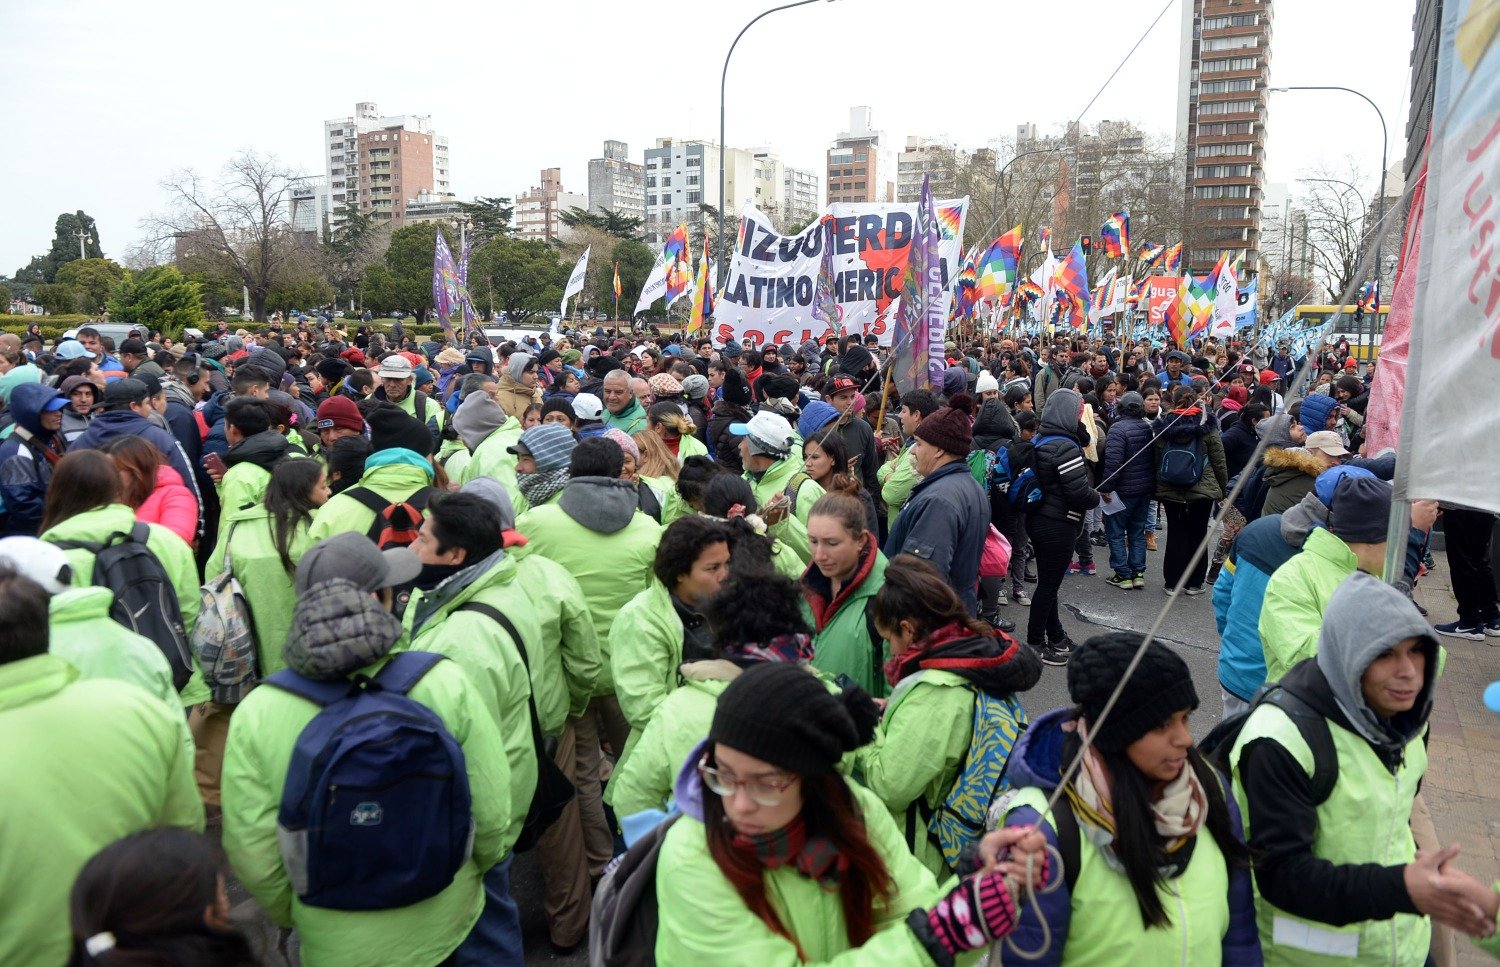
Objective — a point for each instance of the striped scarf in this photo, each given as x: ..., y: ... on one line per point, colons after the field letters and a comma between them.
x: 816, y: 858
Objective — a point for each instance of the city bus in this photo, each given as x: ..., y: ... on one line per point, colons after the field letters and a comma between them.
x: 1363, y: 334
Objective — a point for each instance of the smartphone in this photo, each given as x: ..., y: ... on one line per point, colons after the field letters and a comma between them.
x: 214, y: 463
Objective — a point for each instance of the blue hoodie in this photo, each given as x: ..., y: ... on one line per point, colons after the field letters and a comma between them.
x: 25, y: 470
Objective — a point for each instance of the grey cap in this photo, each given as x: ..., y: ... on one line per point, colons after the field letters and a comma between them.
x: 354, y: 557
x: 695, y: 387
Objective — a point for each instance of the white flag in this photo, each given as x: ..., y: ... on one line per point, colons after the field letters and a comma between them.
x: 1226, y: 302
x: 575, y: 281
x: 1118, y: 297
x: 656, y: 285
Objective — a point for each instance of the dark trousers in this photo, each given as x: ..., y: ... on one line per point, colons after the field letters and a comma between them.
x: 1052, y: 540
x: 1012, y: 523
x: 1186, y: 526
x: 1467, y: 533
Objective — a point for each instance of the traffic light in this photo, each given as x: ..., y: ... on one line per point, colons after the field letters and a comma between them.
x: 1359, y: 313
x: 1286, y: 299
x: 1087, y: 243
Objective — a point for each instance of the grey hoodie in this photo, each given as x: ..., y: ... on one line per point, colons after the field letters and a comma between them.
x: 1060, y: 414
x: 1299, y: 520
x: 604, y: 505
x: 477, y: 417
x: 1364, y: 618
x: 1276, y: 431
x: 337, y: 629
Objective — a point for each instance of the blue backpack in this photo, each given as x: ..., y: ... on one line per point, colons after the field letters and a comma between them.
x: 1014, y: 472
x: 1183, y: 461
x: 376, y: 812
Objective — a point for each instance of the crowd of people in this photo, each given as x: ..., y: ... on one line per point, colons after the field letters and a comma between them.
x: 383, y: 612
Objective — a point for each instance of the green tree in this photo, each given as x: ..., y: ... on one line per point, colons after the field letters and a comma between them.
x: 300, y: 285
x: 403, y: 280
x: 519, y: 277
x: 158, y: 298
x: 64, y: 248
x: 606, y: 220
x: 357, y: 243
x: 5, y: 297
x: 488, y: 218
x: 93, y: 281
x: 635, y: 260
x: 55, y: 299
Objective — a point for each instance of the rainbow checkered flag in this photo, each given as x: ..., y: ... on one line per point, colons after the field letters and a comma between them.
x: 1149, y: 254
x: 1174, y: 258
x: 996, y: 270
x: 1115, y: 234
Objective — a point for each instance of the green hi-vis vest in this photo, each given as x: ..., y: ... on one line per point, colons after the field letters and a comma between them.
x: 1366, y: 819
x: 1105, y: 926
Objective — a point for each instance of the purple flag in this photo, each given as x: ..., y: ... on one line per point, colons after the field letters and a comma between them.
x: 470, y: 316
x: 824, y: 308
x: 444, y: 282
x: 918, y: 336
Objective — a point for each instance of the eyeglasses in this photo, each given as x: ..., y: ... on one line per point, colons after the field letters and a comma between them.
x: 763, y: 791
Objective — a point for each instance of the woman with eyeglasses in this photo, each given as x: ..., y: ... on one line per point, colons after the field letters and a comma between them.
x: 779, y: 861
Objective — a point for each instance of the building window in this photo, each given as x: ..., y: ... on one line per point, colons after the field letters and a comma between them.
x: 651, y: 182
x: 695, y: 162
x: 1230, y: 43
x: 692, y: 179
x: 666, y: 182
x: 694, y: 197
x: 1227, y: 107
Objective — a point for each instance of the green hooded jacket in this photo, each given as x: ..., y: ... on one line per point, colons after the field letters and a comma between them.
x: 645, y: 648
x: 394, y: 474
x: 842, y: 644
x: 492, y: 458
x: 570, y: 648
x: 643, y: 780
x: 630, y: 421
x: 792, y: 530
x: 100, y: 647
x: 268, y: 586
x: 1296, y: 596
x: 898, y: 478
x: 100, y: 760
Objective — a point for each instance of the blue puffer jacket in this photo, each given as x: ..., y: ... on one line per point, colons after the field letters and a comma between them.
x: 1129, y: 464
x: 1257, y: 552
x: 25, y: 470
x: 945, y: 522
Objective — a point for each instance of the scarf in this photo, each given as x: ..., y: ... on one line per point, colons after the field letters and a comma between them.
x: 909, y: 661
x: 540, y: 487
x: 793, y: 648
x: 816, y: 858
x: 1178, y: 812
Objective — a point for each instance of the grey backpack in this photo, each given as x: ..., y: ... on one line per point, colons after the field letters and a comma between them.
x: 622, y: 927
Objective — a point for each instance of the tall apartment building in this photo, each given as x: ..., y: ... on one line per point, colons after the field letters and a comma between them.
x: 860, y: 167
x: 1105, y: 168
x: 616, y: 183
x: 799, y: 187
x: 680, y: 177
x: 932, y: 158
x: 1221, y: 120
x: 307, y: 208
x: 1425, y: 22
x: 378, y: 164
x: 538, y: 210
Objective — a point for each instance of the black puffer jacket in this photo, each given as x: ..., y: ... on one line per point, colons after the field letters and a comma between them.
x: 726, y: 444
x: 993, y: 426
x: 1061, y: 470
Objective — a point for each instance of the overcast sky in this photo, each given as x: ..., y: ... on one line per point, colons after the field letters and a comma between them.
x: 102, y: 99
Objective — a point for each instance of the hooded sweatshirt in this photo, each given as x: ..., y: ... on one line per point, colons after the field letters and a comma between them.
x: 250, y: 464
x: 1310, y: 866
x: 1061, y: 471
x: 26, y: 459
x: 993, y: 426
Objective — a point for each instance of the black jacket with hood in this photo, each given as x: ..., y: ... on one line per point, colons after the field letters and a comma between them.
x: 1062, y: 473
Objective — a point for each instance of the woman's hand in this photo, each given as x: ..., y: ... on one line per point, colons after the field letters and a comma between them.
x: 1006, y: 850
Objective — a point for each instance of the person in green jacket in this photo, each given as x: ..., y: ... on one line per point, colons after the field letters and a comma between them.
x: 728, y: 498
x: 839, y: 587
x: 542, y: 455
x: 941, y: 659
x: 1299, y: 590
x: 756, y: 617
x: 489, y: 434
x: 621, y: 408
x: 83, y: 633
x: 83, y: 507
x: 782, y: 861
x: 662, y: 626
x: 397, y: 468
x: 263, y: 543
x: 341, y: 629
x: 1339, y: 875
x: 100, y: 759
x: 773, y: 466
x: 899, y: 477
x: 255, y: 448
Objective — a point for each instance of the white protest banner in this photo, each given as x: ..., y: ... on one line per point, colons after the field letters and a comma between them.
x: 575, y: 281
x: 1226, y: 302
x: 768, y: 296
x: 1455, y: 344
x: 655, y: 287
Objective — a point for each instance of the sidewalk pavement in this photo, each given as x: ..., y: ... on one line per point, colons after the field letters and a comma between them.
x: 1462, y: 786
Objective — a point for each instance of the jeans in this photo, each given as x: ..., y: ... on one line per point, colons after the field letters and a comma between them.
x: 1187, y: 525
x: 1151, y: 515
x: 496, y: 937
x: 1052, y: 540
x: 1467, y: 535
x: 1127, y: 536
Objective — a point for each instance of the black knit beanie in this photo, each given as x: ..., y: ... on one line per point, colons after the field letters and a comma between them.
x: 785, y: 715
x: 1161, y: 686
x: 736, y: 389
x: 391, y: 427
x: 948, y: 429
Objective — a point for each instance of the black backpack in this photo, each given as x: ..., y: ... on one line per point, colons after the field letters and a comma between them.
x: 145, y: 599
x: 624, y: 918
x: 1183, y: 461
x: 1312, y: 726
x: 553, y: 790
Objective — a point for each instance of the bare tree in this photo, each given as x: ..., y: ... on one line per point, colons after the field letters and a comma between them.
x: 1340, y: 226
x: 237, y: 224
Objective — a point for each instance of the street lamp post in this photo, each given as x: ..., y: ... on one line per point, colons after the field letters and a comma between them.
x: 723, y: 84
x: 1384, y: 161
x: 995, y: 195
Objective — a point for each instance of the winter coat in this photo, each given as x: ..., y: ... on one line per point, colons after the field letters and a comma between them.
x: 1062, y: 474
x: 1289, y: 476
x: 726, y: 445
x: 1296, y: 597
x: 102, y: 760
x: 859, y: 440
x: 83, y: 633
x: 945, y: 523
x: 492, y: 458
x: 436, y: 621
x: 922, y: 742
x: 248, y: 540
x: 843, y: 642
x: 262, y: 736
x: 1128, y: 457
x: 777, y: 479
x: 566, y: 666
x: 25, y: 470
x: 1258, y: 550
x: 125, y: 422
x: 172, y: 505
x: 1211, y: 905
x: 645, y: 648
x: 250, y: 464
x: 394, y: 474
x: 630, y: 420
x: 596, y: 533
x: 1048, y: 379
x: 514, y: 398
x: 1330, y: 875
x: 994, y: 426
x: 643, y: 780
x: 103, y: 523
x: 702, y: 915
x: 419, y: 406
x: 1177, y: 428
x: 897, y: 479
x: 1239, y: 446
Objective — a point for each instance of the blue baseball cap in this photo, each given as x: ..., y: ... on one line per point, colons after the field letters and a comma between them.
x: 71, y: 349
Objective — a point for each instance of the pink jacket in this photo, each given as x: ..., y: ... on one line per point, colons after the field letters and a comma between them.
x: 171, y: 505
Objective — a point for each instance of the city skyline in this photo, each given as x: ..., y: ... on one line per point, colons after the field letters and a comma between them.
x: 562, y: 120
